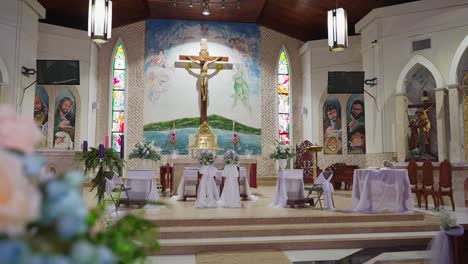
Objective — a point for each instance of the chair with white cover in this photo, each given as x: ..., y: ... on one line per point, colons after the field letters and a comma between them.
x: 189, y: 183
x: 323, y: 189
x: 207, y: 193
x: 230, y: 196
x: 143, y: 186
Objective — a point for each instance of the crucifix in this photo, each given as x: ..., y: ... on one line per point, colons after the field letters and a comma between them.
x: 204, y: 62
x: 422, y: 122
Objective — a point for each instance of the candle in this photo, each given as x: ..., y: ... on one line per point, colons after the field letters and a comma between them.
x: 204, y: 44
x: 122, y: 147
x: 101, y: 151
x: 85, y: 146
x: 106, y: 141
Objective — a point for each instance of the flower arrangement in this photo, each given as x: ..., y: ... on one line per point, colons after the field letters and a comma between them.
x: 447, y: 220
x: 230, y: 157
x: 145, y: 150
x: 44, y: 218
x: 206, y: 158
x: 281, y: 150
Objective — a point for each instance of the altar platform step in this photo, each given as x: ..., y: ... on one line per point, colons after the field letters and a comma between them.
x: 374, y: 240
x: 294, y: 229
x: 267, y: 181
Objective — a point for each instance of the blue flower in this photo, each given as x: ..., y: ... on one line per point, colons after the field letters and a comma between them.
x: 32, y: 164
x: 74, y: 178
x: 84, y: 253
x: 69, y: 226
x: 105, y: 255
x: 13, y: 251
x: 71, y: 203
x: 48, y: 259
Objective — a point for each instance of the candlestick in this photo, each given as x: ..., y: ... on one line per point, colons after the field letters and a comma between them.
x: 85, y: 146
x: 101, y: 151
x: 122, y: 147
x: 204, y: 44
x: 106, y: 141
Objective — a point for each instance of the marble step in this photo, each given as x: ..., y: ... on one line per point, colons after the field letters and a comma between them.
x: 375, y: 240
x: 334, y: 217
x: 295, y: 229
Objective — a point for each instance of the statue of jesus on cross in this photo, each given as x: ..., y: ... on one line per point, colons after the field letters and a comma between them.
x: 205, y: 62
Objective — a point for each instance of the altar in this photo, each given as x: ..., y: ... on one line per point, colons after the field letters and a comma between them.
x: 178, y: 166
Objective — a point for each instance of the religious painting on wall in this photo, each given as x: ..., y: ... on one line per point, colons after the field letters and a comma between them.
x: 332, y: 126
x: 172, y: 86
x: 64, y: 120
x: 41, y: 113
x: 355, y: 122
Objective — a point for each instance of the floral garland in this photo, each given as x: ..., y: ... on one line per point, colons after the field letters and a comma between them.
x: 206, y: 158
x: 145, y: 150
x: 281, y: 150
x: 230, y: 157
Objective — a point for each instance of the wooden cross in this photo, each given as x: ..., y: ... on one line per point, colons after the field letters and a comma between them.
x: 203, y: 62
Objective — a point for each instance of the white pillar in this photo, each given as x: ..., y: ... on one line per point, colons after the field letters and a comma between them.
x: 401, y: 126
x: 456, y: 138
x: 442, y: 123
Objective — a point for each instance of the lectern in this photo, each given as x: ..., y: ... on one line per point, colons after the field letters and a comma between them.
x: 315, y: 149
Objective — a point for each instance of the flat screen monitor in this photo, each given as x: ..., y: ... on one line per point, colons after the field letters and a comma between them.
x: 345, y: 82
x: 58, y: 72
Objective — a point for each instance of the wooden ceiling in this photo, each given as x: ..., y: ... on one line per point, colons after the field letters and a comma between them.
x: 301, y: 19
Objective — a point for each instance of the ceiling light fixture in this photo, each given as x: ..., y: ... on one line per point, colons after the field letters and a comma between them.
x: 100, y: 20
x: 238, y: 4
x: 191, y: 3
x: 337, y: 30
x: 222, y: 4
x: 206, y: 8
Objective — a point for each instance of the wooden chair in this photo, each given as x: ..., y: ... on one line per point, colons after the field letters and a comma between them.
x: 305, y: 161
x: 413, y: 178
x: 445, y: 183
x: 428, y: 183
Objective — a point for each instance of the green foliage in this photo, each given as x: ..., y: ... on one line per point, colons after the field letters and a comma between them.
x: 130, y: 238
x: 281, y: 150
x: 112, y: 162
x: 447, y: 220
x: 215, y: 121
x: 145, y: 150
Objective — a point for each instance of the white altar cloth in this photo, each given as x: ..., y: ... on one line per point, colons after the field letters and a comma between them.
x: 289, y: 185
x: 381, y: 190
x: 230, y: 197
x: 142, y: 185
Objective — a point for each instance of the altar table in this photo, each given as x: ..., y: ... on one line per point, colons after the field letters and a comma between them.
x: 289, y: 188
x: 179, y: 164
x: 381, y: 190
x: 142, y: 185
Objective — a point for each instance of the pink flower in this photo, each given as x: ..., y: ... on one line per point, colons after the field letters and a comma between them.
x: 17, y: 132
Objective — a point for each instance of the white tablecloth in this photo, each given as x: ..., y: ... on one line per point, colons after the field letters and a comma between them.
x: 381, y: 190
x: 289, y: 185
x: 142, y: 185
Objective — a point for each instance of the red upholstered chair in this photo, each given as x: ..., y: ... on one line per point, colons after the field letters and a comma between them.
x: 445, y: 183
x: 305, y: 161
x: 413, y: 178
x: 428, y: 183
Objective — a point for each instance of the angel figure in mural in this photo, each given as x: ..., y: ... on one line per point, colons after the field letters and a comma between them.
x: 241, y: 89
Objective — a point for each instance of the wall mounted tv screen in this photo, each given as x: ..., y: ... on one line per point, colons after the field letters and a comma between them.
x: 345, y: 82
x: 58, y: 72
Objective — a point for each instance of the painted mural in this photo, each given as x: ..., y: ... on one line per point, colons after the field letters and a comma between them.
x: 355, y: 122
x: 64, y: 120
x: 41, y: 113
x: 172, y: 94
x: 332, y: 126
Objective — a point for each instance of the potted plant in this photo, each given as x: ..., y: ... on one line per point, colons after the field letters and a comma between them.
x: 281, y: 152
x: 206, y: 158
x: 106, y: 166
x: 145, y: 151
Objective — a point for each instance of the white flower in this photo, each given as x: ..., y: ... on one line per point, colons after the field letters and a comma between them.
x: 19, y: 200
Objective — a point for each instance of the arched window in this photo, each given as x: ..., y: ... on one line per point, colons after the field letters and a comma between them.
x: 119, y: 85
x: 284, y: 113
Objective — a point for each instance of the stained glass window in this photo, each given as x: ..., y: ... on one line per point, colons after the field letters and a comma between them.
x: 119, y: 75
x: 283, y: 97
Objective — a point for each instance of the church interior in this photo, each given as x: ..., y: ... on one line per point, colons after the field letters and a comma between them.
x: 234, y: 131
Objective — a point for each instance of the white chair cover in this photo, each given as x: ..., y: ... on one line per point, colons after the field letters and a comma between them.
x: 290, y: 185
x: 187, y: 185
x: 230, y: 196
x: 327, y: 187
x: 208, y: 194
x: 142, y: 185
x: 441, y: 246
x: 244, y: 184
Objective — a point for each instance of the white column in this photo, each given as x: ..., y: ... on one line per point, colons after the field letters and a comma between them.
x: 442, y: 123
x: 401, y: 126
x: 456, y: 138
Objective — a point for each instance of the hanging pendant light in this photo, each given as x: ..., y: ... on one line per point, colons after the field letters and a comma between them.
x: 206, y: 8
x: 337, y: 30
x: 100, y: 20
